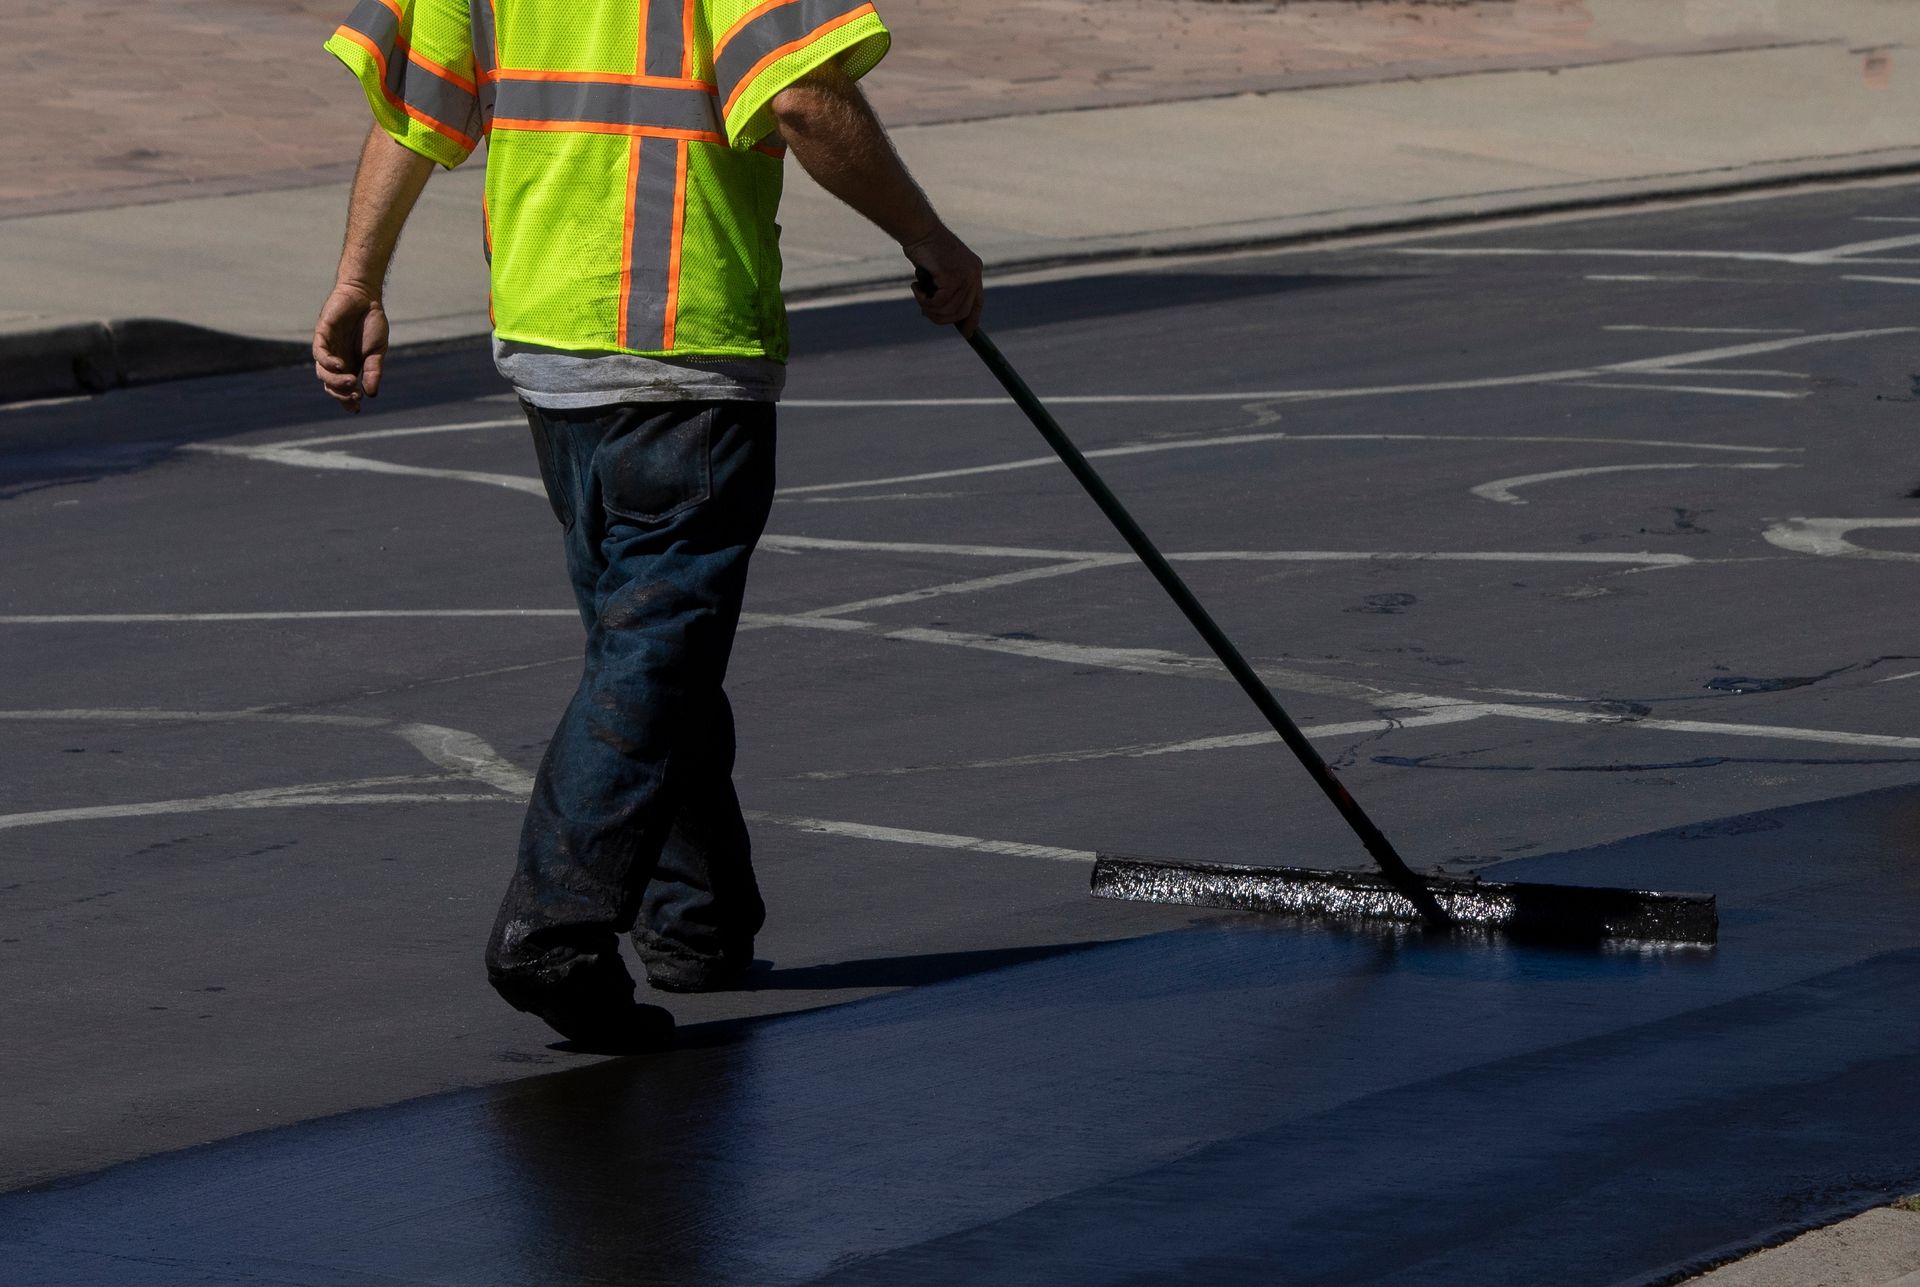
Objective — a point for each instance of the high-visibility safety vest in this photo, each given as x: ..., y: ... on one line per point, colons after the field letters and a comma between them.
x: 630, y: 198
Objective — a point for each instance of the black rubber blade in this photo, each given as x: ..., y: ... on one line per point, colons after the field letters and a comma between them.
x: 1565, y: 914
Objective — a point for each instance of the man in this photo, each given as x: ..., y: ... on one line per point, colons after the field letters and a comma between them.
x: 633, y: 174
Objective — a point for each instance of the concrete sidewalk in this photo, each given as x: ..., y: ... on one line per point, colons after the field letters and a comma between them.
x: 1878, y: 1248
x: 1706, y: 95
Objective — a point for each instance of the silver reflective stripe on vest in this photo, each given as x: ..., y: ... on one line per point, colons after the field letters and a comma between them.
x: 596, y: 103
x: 484, y: 61
x: 666, y: 36
x: 778, y: 26
x: 420, y: 88
x: 650, y: 257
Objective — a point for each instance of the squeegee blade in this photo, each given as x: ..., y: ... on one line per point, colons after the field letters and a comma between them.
x: 1544, y: 913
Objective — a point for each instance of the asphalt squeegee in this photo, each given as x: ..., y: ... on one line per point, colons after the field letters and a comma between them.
x: 1562, y: 914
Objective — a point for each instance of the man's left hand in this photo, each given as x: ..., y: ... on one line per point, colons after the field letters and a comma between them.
x: 350, y: 345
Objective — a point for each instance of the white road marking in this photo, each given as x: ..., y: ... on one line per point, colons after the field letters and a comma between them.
x: 1890, y: 281
x: 1230, y: 741
x: 1234, y: 440
x: 1827, y: 536
x: 465, y: 756
x: 310, y: 795
x: 1911, y: 674
x: 1713, y: 330
x: 1699, y: 357
x: 370, y: 435
x: 1694, y: 358
x: 1647, y: 277
x: 794, y: 544
x: 1851, y: 252
x: 137, y: 715
x: 300, y: 458
x: 1157, y: 661
x: 366, y: 614
x: 1720, y: 390
x: 927, y: 839
x: 1887, y: 218
x: 883, y: 496
x: 1501, y: 489
x: 34, y: 404
x: 768, y: 620
x: 1638, y: 558
x: 468, y: 755
x: 972, y: 586
x: 1769, y: 732
x: 1762, y: 371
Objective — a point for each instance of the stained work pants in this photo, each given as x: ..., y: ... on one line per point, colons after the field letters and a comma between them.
x: 634, y: 824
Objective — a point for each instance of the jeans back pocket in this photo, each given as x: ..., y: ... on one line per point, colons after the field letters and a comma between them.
x: 657, y: 464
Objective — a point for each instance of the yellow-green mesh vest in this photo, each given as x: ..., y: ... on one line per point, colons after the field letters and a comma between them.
x: 630, y: 198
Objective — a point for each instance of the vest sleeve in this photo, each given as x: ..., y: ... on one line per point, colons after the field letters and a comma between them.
x: 761, y: 48
x: 414, y: 61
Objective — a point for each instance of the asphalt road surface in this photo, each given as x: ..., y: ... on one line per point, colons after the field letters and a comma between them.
x: 1584, y: 549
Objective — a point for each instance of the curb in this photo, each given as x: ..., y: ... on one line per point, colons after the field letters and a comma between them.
x: 94, y: 357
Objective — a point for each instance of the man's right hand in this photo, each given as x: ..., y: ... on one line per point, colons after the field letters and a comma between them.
x: 948, y: 280
x: 350, y: 345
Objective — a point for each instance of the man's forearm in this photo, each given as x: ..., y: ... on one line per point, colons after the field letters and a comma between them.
x: 386, y: 185
x: 834, y: 134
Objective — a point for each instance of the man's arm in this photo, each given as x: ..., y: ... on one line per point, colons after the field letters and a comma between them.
x: 350, y: 339
x: 831, y: 130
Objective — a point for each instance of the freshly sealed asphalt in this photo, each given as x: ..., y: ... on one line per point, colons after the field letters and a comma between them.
x: 248, y: 862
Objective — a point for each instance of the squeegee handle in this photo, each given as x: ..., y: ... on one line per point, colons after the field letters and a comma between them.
x: 1392, y: 866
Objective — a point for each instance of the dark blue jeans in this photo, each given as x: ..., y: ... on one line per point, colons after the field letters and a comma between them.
x: 634, y: 824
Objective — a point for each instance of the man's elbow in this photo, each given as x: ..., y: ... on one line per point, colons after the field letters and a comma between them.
x: 809, y: 107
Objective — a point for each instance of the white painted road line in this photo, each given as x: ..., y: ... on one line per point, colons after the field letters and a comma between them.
x: 454, y: 750
x: 363, y: 614
x: 1827, y: 537
x: 795, y: 544
x: 924, y: 839
x: 300, y: 458
x: 1637, y: 558
x: 973, y: 586
x: 1693, y: 358
x: 1890, y: 281
x: 1236, y: 440
x: 312, y: 795
x: 1225, y: 742
x: 1712, y: 330
x: 1501, y: 489
x: 1720, y: 390
x: 783, y: 544
x: 370, y: 435
x: 1766, y: 732
x: 1157, y: 661
x: 1851, y: 252
x: 1764, y: 372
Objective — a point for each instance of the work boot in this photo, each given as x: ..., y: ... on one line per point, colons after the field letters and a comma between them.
x: 589, y: 1002
x: 610, y: 1027
x: 684, y: 972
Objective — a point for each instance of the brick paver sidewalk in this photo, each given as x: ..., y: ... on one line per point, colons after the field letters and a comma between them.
x: 114, y: 102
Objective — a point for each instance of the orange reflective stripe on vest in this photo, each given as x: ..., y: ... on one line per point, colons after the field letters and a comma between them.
x: 771, y: 31
x: 436, y: 96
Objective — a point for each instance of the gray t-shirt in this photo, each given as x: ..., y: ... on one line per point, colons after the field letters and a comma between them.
x: 565, y: 380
